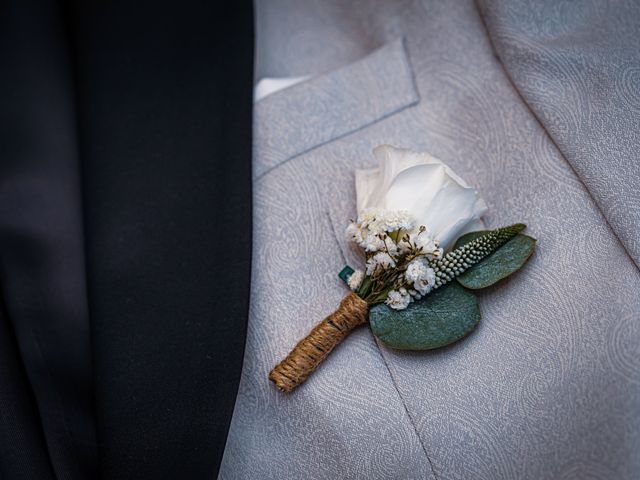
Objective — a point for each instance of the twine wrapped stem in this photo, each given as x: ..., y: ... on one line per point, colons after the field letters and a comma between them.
x: 314, y: 348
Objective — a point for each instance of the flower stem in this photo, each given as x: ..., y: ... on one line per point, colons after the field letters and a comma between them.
x: 314, y: 348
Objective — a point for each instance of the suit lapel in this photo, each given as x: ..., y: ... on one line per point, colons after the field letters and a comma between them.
x: 42, y: 270
x: 302, y: 168
x: 165, y: 120
x: 324, y: 108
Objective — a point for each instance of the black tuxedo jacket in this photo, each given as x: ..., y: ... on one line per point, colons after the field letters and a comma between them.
x: 125, y: 235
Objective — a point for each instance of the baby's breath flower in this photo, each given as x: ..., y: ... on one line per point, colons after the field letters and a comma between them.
x: 380, y: 259
x: 418, y: 241
x: 355, y: 279
x: 379, y: 220
x: 374, y: 242
x: 398, y: 299
x: 391, y: 247
x: 425, y: 285
x: 355, y: 233
x: 416, y: 270
x: 420, y: 275
x: 424, y: 243
x: 371, y: 230
x: 393, y: 220
x: 369, y: 217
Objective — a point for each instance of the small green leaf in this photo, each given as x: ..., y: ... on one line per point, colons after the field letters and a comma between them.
x: 363, y: 289
x: 442, y: 317
x: 500, y: 264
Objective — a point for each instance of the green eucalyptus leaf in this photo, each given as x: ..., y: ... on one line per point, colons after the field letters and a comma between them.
x: 442, y: 317
x: 506, y: 260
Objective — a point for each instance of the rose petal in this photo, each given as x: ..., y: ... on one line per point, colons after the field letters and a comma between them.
x: 366, y: 184
x: 424, y: 186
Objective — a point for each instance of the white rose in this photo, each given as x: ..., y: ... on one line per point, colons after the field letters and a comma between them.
x: 425, y: 187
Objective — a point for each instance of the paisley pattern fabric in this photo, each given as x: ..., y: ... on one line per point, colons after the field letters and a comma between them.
x: 548, y: 386
x: 577, y: 66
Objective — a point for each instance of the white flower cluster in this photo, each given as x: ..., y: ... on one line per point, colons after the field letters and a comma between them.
x: 398, y: 254
x: 399, y: 299
x: 374, y: 225
x: 355, y: 280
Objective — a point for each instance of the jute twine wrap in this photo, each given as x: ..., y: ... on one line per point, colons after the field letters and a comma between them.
x: 314, y: 348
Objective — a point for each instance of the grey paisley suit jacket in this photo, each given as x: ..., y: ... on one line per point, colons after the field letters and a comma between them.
x: 537, y: 104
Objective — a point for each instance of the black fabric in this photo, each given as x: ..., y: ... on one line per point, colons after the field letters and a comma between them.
x: 42, y: 271
x: 23, y: 452
x: 138, y: 113
x: 165, y: 103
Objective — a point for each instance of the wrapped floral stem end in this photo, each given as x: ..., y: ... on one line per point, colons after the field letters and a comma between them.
x: 315, y: 347
x: 407, y: 253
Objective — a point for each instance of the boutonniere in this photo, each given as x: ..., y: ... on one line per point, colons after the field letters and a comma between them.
x: 425, y: 251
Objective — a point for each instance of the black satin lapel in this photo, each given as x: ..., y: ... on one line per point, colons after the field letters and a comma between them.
x: 165, y: 103
x: 23, y: 451
x: 42, y: 273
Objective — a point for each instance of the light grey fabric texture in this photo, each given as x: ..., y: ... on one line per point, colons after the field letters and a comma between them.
x: 577, y: 65
x: 548, y: 387
x: 358, y: 94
